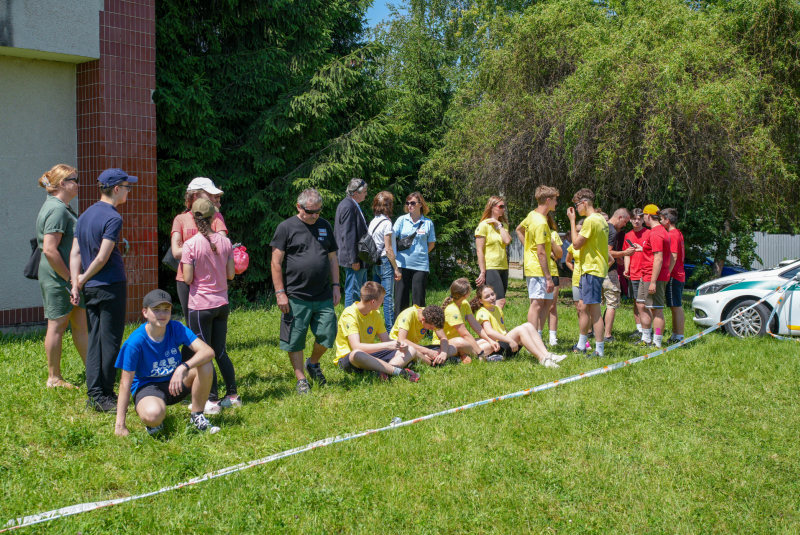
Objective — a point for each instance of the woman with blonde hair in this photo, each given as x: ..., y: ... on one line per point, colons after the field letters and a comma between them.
x: 387, y: 272
x: 491, y: 239
x: 413, y: 260
x: 55, y: 230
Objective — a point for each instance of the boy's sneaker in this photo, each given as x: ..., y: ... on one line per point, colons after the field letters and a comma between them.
x: 673, y: 340
x: 202, y: 424
x: 315, y: 372
x: 380, y: 376
x: 229, y: 402
x: 610, y: 339
x: 595, y: 355
x: 211, y: 407
x: 410, y: 375
x: 303, y: 387
x: 152, y: 431
x: 102, y: 404
x: 576, y: 349
x: 556, y: 358
x: 636, y: 336
x: 548, y: 363
x: 494, y: 358
x: 453, y: 360
x: 644, y: 345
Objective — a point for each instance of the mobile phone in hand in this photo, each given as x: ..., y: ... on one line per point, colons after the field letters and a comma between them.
x: 629, y: 242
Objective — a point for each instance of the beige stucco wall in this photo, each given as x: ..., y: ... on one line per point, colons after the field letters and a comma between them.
x: 37, y: 130
x: 56, y: 30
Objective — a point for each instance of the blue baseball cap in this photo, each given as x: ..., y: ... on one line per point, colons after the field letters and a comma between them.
x: 113, y: 177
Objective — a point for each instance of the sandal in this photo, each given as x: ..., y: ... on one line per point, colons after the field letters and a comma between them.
x: 61, y: 383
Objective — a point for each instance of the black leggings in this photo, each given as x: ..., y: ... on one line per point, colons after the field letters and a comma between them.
x: 412, y: 282
x: 211, y: 326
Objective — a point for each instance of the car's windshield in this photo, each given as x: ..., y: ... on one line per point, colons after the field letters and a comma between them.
x: 791, y: 273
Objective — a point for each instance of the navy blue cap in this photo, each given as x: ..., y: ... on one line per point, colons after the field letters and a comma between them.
x: 113, y: 177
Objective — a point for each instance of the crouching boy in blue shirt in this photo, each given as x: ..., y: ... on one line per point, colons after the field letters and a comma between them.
x: 150, y: 360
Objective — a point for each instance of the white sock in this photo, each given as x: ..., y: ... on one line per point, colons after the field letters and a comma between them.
x: 600, y: 347
x: 657, y: 339
x: 647, y: 335
x: 639, y: 327
x: 396, y: 371
x: 582, y: 341
x: 553, y: 337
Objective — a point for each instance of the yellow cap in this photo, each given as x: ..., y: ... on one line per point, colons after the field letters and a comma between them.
x: 650, y: 209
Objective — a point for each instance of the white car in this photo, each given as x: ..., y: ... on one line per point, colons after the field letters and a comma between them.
x: 722, y: 298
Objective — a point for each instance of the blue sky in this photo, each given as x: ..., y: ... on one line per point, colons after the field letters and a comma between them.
x: 378, y: 12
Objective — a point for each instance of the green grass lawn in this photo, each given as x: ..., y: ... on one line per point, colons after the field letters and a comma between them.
x: 700, y: 440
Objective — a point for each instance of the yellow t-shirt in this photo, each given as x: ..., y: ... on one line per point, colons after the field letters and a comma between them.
x: 494, y: 317
x: 552, y: 263
x: 594, y: 253
x: 576, y: 273
x: 494, y: 252
x: 453, y: 317
x: 537, y: 232
x: 409, y: 320
x: 351, y: 322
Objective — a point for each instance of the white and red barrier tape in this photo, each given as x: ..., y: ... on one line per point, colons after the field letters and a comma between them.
x: 91, y: 506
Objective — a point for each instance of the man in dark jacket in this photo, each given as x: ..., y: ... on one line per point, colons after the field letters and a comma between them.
x: 349, y: 227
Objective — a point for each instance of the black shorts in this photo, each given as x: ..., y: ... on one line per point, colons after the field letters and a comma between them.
x: 505, y: 350
x: 384, y: 354
x: 161, y: 391
x: 674, y: 293
x: 498, y: 279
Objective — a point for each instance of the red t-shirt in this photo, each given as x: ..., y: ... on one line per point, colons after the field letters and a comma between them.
x: 636, y: 258
x: 676, y: 246
x: 184, y: 225
x: 656, y: 242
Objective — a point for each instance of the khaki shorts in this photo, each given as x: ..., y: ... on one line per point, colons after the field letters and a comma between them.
x: 611, y: 290
x: 656, y: 300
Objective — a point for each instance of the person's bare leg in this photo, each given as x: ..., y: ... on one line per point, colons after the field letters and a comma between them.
x: 609, y: 320
x: 526, y: 335
x: 678, y: 320
x: 80, y: 331
x: 594, y: 318
x: 296, y: 358
x: 316, y: 353
x: 151, y: 411
x: 552, y: 323
x: 485, y: 346
x: 501, y: 302
x: 401, y: 359
x: 365, y: 361
x: 52, y: 348
x: 534, y: 313
x: 199, y: 380
x: 658, y: 325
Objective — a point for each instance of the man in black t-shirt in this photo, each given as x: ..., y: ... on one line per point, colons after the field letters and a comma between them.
x: 303, y: 285
x: 611, y: 286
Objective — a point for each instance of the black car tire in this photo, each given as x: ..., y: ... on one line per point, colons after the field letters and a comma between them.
x: 751, y: 323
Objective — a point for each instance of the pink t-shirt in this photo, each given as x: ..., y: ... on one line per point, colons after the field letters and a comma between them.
x: 209, y: 287
x: 184, y: 225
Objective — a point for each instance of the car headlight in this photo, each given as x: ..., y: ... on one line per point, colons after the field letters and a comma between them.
x: 714, y: 287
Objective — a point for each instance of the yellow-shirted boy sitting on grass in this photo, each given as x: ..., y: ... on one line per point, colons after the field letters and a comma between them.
x: 414, y: 323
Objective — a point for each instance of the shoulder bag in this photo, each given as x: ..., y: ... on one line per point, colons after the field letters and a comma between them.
x: 407, y: 241
x: 31, y: 270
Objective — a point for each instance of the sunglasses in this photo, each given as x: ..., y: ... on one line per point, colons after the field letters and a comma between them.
x: 411, y: 203
x: 578, y: 204
x: 71, y: 179
x: 129, y: 186
x: 501, y: 206
x: 311, y: 212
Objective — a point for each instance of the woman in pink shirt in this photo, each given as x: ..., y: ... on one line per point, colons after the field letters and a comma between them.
x: 207, y: 263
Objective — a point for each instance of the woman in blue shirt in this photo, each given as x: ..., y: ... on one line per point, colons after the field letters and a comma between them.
x: 413, y: 262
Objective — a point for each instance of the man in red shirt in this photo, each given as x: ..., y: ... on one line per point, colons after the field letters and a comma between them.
x: 677, y: 276
x: 633, y: 267
x: 656, y: 267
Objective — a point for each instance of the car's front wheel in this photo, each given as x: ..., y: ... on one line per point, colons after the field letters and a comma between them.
x: 753, y: 322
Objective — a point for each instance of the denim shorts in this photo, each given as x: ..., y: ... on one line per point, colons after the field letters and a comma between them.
x: 591, y: 289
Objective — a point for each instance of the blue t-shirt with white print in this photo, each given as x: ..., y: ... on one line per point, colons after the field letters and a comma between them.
x: 153, y: 362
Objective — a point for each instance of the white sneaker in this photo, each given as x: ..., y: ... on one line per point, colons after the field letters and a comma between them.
x: 202, y: 424
x: 210, y: 408
x: 556, y: 358
x: 553, y: 342
x: 548, y: 363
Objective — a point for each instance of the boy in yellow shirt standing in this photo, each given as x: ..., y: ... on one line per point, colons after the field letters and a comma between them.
x: 592, y: 242
x: 356, y: 349
x: 535, y: 233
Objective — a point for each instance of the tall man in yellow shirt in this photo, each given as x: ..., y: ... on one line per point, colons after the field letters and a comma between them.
x: 592, y: 242
x: 534, y: 232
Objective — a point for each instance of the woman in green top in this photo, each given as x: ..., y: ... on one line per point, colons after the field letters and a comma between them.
x: 54, y: 231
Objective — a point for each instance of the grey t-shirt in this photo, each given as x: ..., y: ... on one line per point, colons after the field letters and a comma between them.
x: 612, y: 241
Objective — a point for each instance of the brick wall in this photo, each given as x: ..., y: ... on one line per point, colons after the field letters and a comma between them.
x: 116, y: 121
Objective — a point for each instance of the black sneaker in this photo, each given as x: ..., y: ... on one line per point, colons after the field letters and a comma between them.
x: 610, y: 339
x: 152, y: 431
x: 635, y: 337
x: 453, y: 360
x: 101, y: 404
x: 303, y: 387
x: 202, y: 424
x: 315, y: 372
x: 494, y: 358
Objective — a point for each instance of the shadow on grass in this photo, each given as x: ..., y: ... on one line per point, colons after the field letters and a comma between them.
x: 252, y: 343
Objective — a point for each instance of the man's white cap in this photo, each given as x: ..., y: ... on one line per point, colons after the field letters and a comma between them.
x: 205, y: 184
